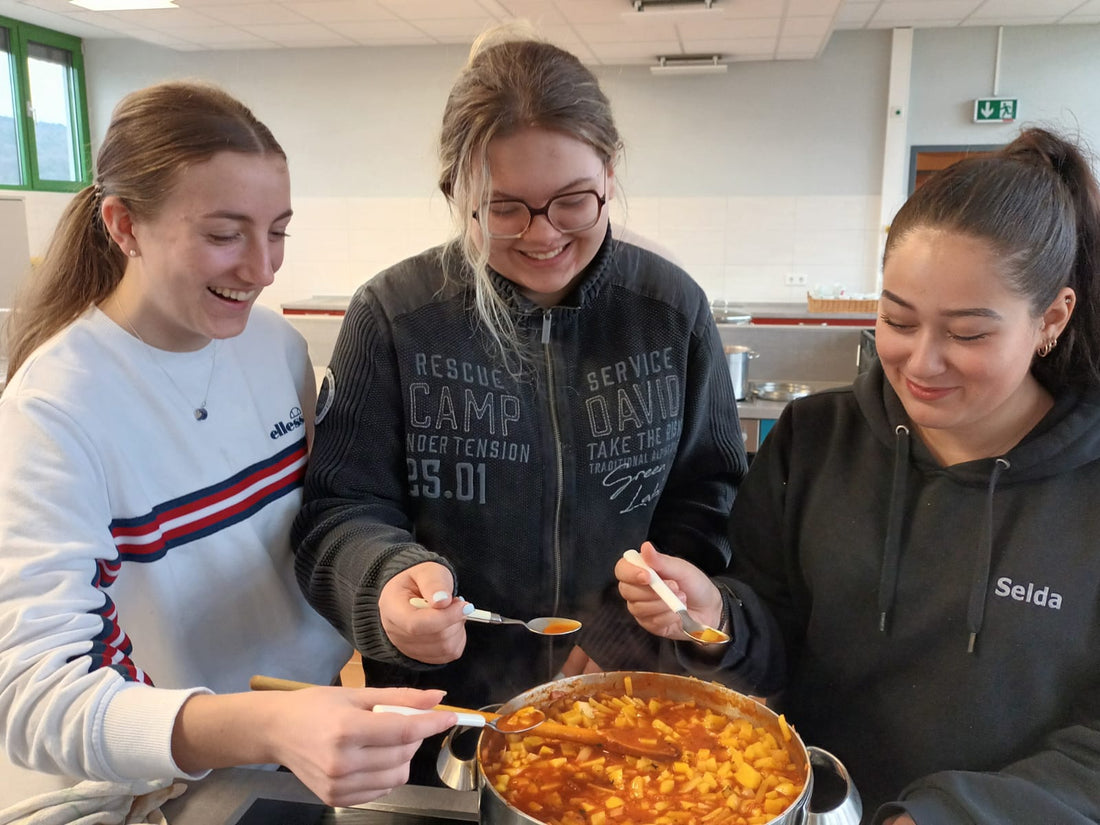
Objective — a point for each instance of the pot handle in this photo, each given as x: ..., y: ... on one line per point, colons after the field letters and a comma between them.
x: 455, y: 772
x: 834, y: 799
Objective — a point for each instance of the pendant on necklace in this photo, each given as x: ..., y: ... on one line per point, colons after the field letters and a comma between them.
x: 200, y: 413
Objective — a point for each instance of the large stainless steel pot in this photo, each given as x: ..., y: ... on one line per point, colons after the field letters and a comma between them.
x: 739, y: 358
x: 838, y: 804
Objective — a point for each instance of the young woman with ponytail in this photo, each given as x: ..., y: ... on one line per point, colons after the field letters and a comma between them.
x: 915, y: 575
x: 146, y: 494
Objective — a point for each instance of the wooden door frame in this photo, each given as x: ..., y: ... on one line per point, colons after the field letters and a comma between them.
x: 916, y: 151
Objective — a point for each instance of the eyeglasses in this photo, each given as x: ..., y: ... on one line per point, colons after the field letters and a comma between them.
x: 568, y: 212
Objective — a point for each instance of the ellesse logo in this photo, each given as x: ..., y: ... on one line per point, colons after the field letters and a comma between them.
x: 293, y: 422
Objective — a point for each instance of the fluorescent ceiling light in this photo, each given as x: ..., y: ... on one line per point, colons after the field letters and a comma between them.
x: 124, y: 5
x: 681, y: 10
x: 689, y: 64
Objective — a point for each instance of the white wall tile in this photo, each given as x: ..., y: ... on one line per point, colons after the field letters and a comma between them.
x: 692, y: 213
x: 835, y: 212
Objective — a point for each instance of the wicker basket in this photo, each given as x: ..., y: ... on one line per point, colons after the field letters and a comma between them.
x: 840, y: 304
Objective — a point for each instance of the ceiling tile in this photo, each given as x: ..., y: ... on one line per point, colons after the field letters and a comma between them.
x: 813, y: 8
x: 747, y: 48
x: 1025, y: 9
x: 414, y: 10
x: 384, y: 33
x: 256, y: 14
x: 455, y: 31
x: 751, y: 27
x: 633, y: 53
x: 339, y: 11
x: 854, y: 15
x: 818, y: 27
x: 308, y: 35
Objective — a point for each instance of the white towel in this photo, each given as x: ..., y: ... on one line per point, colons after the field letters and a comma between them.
x: 96, y: 803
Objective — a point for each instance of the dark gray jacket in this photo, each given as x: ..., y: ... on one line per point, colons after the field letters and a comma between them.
x: 623, y: 428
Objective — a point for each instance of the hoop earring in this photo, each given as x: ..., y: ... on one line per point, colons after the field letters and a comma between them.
x: 1047, y: 348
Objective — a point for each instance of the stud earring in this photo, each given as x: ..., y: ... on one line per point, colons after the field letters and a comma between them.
x: 133, y: 253
x: 1047, y: 348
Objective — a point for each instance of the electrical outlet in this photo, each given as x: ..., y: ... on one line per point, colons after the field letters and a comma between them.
x: 796, y: 279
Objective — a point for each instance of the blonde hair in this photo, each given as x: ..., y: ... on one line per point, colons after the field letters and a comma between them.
x: 155, y: 133
x: 511, y: 81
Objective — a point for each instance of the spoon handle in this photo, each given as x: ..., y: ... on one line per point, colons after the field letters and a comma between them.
x: 474, y: 614
x: 467, y: 718
x: 656, y: 582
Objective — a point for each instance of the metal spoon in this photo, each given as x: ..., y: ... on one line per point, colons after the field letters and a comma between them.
x: 518, y: 721
x: 696, y: 631
x: 544, y: 626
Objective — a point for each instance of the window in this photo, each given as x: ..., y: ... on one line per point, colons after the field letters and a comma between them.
x: 44, y: 141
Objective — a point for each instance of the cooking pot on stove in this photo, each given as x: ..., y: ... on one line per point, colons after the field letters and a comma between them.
x: 739, y: 358
x: 828, y: 798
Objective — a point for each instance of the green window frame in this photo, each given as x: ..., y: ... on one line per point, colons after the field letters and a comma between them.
x: 44, y: 147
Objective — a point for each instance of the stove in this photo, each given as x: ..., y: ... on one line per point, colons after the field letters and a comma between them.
x: 279, y: 812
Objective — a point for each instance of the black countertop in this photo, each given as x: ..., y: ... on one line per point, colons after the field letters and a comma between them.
x: 225, y: 796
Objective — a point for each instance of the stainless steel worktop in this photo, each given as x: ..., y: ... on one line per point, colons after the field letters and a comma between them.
x: 753, y: 407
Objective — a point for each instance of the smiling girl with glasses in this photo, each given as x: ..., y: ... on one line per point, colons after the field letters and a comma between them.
x: 514, y: 409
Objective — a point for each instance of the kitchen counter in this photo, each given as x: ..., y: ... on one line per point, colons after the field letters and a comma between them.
x: 759, y: 312
x: 798, y: 314
x: 753, y: 407
x: 223, y: 797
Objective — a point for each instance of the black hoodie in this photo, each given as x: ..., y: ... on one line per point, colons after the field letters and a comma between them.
x: 937, y: 628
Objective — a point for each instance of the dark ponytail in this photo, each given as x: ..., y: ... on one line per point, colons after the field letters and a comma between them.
x: 1036, y: 201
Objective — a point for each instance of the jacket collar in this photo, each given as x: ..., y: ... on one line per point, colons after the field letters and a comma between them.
x: 588, y: 286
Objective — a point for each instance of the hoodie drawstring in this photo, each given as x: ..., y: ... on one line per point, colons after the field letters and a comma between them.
x: 891, y: 554
x: 975, y: 612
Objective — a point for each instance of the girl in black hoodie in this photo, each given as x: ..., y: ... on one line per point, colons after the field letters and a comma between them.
x: 915, y: 580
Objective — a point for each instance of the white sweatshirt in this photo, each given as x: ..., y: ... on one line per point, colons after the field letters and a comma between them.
x: 145, y: 555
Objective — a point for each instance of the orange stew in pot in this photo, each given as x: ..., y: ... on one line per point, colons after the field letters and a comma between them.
x: 730, y: 770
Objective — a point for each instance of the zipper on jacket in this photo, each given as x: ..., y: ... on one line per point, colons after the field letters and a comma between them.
x: 556, y: 429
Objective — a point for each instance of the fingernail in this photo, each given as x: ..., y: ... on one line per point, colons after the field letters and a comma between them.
x: 440, y: 595
x: 467, y: 609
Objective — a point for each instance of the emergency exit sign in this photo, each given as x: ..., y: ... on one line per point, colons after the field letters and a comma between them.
x: 995, y: 109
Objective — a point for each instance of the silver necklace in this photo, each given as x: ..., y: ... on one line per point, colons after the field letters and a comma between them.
x: 200, y: 411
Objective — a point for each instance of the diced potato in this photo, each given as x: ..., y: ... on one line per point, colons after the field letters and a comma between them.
x: 784, y: 728
x: 748, y: 776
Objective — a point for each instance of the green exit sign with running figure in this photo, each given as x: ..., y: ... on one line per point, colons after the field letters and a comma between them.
x: 995, y: 109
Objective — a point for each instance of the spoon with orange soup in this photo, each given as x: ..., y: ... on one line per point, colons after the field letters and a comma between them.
x: 544, y: 626
x: 696, y: 631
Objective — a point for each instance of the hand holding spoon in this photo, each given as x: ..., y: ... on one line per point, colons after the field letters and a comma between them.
x: 516, y: 722
x: 545, y: 626
x: 696, y: 631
